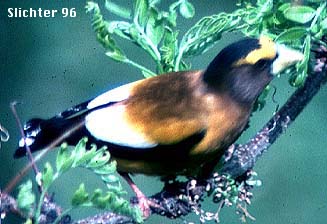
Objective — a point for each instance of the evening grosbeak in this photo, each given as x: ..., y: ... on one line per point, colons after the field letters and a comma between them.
x: 178, y: 123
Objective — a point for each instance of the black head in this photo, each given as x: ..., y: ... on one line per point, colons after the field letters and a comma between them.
x: 245, y: 67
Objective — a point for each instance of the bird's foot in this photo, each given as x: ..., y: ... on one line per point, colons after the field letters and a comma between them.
x: 144, y: 205
x: 143, y: 202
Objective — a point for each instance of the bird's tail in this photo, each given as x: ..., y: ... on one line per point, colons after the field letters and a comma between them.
x: 40, y: 133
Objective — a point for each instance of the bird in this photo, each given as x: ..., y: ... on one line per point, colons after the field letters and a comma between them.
x: 179, y: 123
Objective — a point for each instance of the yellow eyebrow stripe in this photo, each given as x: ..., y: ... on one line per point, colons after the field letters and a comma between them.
x: 267, y: 50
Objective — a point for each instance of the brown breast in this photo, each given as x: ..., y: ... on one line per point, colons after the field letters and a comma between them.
x: 172, y: 107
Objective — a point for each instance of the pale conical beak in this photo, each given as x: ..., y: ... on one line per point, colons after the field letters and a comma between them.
x: 285, y: 58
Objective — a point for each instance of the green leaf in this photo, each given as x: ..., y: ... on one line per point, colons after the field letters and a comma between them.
x: 28, y: 221
x: 120, y: 28
x: 299, y: 79
x: 204, y: 34
x: 80, y: 196
x: 97, y: 193
x: 261, y: 101
x: 63, y: 161
x: 171, y: 18
x: 62, y: 157
x: 174, y: 5
x: 302, y: 67
x: 146, y: 74
x: 169, y: 44
x: 284, y: 6
x: 141, y: 10
x: 116, y: 55
x: 299, y: 14
x: 323, y: 24
x: 135, y: 34
x: 154, y: 27
x: 291, y: 35
x: 100, y: 158
x: 47, y: 175
x: 25, y: 197
x: 307, y: 47
x: 140, y: 40
x: 79, y: 151
x: 86, y: 157
x: 102, y: 201
x: 169, y: 49
x: 67, y: 165
x: 266, y: 6
x: 116, y: 188
x: 108, y: 168
x: 110, y: 178
x: 186, y: 9
x: 118, y: 10
x: 96, y: 16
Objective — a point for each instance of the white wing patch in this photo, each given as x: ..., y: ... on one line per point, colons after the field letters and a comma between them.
x: 115, y: 95
x: 109, y: 124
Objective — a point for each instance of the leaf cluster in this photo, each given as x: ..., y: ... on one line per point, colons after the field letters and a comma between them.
x: 291, y: 24
x: 96, y: 160
x: 299, y: 26
x: 156, y: 32
x: 151, y: 29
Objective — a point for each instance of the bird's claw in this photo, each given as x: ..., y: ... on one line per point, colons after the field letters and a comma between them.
x: 144, y: 205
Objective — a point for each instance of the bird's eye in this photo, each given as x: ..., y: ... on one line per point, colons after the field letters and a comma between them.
x: 262, y: 63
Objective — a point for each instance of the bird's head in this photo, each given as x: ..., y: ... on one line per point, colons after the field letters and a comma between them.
x: 244, y: 68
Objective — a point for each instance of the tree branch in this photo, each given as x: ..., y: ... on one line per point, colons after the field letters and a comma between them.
x: 245, y: 156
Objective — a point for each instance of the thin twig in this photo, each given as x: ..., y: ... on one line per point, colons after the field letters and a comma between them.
x: 106, y: 218
x: 53, y: 144
x: 245, y: 213
x: 9, y: 204
x: 28, y: 150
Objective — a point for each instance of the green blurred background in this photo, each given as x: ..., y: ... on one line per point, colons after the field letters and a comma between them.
x: 50, y: 64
